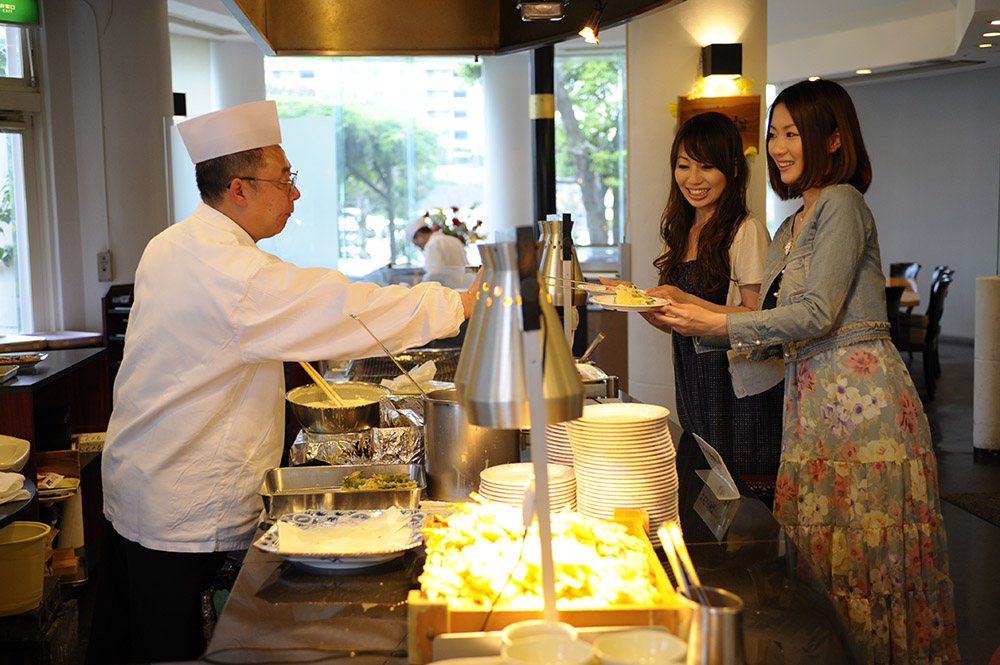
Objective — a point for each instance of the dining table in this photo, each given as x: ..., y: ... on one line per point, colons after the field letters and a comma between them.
x: 911, y: 294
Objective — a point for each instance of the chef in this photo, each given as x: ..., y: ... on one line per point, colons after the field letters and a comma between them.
x: 444, y: 255
x: 199, y: 397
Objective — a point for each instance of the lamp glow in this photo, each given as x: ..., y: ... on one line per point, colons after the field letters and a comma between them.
x: 590, y: 28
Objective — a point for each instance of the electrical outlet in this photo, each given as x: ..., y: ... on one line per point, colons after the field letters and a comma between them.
x: 104, y: 266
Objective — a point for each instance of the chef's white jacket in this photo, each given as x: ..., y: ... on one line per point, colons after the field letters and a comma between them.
x: 198, y: 412
x: 444, y: 261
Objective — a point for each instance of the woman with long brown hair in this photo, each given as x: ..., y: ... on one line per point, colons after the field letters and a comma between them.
x: 713, y: 256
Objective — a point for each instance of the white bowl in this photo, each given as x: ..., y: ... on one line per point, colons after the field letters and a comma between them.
x: 547, y: 650
x: 536, y: 628
x: 640, y: 647
x: 13, y: 453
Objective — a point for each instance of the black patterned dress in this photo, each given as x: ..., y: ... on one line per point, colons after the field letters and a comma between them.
x: 747, y: 431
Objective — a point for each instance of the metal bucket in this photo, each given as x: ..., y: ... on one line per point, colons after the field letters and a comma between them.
x: 457, y: 451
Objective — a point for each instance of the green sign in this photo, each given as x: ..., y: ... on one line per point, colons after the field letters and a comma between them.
x: 21, y: 12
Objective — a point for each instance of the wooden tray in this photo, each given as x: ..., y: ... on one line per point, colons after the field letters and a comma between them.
x: 426, y: 619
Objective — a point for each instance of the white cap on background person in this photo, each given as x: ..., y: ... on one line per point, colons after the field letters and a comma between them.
x: 414, y: 226
x: 230, y: 130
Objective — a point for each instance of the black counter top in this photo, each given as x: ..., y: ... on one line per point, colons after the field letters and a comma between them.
x: 57, y: 363
x: 278, y: 612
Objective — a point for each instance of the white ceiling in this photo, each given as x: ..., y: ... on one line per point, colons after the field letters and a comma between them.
x: 830, y: 38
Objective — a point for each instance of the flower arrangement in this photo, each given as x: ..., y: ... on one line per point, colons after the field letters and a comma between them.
x: 450, y: 222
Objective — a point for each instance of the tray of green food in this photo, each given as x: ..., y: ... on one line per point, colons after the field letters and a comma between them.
x: 347, y: 487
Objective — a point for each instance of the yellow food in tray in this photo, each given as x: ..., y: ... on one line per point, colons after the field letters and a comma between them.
x: 471, y: 553
x: 626, y: 294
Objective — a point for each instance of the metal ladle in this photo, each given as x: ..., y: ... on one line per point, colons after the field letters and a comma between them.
x: 391, y: 357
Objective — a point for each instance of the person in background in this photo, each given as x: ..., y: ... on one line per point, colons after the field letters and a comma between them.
x: 444, y: 254
x: 713, y: 256
x: 198, y: 409
x: 857, y: 486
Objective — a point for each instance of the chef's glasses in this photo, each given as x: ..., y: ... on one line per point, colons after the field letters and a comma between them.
x: 292, y: 177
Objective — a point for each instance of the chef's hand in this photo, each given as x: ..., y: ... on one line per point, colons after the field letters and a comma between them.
x: 469, y: 297
x: 692, y: 319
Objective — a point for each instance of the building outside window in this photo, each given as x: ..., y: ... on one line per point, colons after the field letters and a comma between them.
x: 373, y: 157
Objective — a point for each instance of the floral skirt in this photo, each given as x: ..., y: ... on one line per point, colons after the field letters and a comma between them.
x: 857, y: 492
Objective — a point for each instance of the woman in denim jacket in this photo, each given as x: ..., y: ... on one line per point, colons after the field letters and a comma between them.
x: 857, y: 485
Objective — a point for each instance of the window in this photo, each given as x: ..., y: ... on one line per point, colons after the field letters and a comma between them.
x: 373, y: 158
x: 590, y: 144
x: 17, y: 187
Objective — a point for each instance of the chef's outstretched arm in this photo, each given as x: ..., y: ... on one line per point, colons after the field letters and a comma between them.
x: 469, y: 296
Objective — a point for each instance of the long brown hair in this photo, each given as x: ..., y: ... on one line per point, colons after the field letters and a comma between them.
x: 709, y: 138
x: 818, y: 109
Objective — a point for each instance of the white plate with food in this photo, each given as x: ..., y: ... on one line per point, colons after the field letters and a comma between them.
x: 627, y: 298
x: 22, y: 360
x: 344, y: 539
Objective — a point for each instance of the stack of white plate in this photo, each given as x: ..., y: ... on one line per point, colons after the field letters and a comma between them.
x: 625, y: 458
x: 560, y: 450
x: 506, y: 483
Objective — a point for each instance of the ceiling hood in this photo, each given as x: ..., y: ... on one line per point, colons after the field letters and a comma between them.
x: 415, y: 27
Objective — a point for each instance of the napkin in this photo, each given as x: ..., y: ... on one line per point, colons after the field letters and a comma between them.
x: 422, y: 374
x: 12, y: 487
x: 389, y: 530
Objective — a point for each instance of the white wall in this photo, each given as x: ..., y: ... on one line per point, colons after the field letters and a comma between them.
x: 935, y: 149
x: 664, y: 52
x: 105, y: 113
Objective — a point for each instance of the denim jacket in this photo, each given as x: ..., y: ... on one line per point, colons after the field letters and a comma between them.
x: 832, y: 289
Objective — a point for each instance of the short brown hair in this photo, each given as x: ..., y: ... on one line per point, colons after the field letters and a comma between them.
x: 214, y: 175
x: 818, y: 109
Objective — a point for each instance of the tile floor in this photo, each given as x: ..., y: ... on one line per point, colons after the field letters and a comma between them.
x: 973, y: 543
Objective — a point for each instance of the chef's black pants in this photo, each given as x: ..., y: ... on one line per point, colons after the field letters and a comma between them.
x: 149, y: 603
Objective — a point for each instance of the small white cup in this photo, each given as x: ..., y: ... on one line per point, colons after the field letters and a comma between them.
x: 535, y: 628
x: 547, y: 650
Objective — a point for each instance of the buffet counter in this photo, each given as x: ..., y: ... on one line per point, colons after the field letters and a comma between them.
x: 278, y: 612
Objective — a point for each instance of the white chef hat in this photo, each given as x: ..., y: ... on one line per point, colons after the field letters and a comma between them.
x: 416, y: 225
x: 230, y: 130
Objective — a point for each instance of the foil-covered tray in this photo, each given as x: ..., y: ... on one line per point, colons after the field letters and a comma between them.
x: 294, y: 489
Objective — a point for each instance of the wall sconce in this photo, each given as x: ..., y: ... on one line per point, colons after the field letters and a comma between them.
x: 593, y: 24
x: 541, y: 10
x: 722, y: 60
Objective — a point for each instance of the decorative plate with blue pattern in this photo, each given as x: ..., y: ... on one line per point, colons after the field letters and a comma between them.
x: 309, y: 519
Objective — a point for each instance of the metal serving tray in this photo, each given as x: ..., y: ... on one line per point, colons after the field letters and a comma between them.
x: 296, y: 488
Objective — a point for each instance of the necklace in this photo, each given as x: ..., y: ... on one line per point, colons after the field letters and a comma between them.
x: 801, y: 217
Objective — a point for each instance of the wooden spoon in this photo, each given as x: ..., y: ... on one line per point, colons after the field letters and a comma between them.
x: 321, y: 382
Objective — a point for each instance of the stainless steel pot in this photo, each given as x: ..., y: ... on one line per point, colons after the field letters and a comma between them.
x: 457, y: 451
x: 329, y: 419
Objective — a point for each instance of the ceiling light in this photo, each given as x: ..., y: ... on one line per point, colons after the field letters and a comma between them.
x: 996, y: 22
x: 722, y: 60
x: 813, y: 78
x: 862, y: 71
x: 991, y: 34
x: 593, y: 24
x: 541, y: 10
x: 985, y: 45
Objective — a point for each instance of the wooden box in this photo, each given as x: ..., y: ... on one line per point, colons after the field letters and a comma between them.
x: 426, y: 619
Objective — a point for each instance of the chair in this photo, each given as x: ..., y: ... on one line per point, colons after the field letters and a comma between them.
x: 893, y: 294
x: 907, y: 270
x: 920, y: 332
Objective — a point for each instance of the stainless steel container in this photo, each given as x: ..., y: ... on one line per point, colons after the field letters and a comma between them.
x: 294, y: 489
x: 714, y: 631
x: 333, y: 419
x: 457, y: 451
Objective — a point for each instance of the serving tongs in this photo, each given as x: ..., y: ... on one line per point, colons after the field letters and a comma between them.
x: 391, y: 357
x: 680, y: 561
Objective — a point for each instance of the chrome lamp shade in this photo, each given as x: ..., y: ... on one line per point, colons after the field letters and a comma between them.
x: 490, y: 376
x: 557, y: 250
